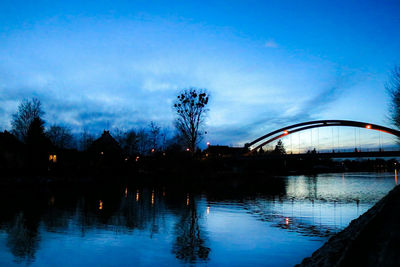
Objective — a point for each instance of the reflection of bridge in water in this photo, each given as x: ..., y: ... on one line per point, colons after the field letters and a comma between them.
x: 257, y: 144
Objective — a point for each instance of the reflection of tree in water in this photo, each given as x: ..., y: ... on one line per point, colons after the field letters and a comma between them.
x: 189, y: 245
x: 68, y: 211
x: 23, y: 238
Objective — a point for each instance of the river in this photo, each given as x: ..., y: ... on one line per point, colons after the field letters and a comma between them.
x: 277, y: 223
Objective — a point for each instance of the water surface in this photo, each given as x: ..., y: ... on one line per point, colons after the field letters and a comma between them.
x: 275, y: 223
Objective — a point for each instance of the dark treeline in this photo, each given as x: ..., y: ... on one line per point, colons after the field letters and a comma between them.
x: 53, y: 153
x: 32, y: 148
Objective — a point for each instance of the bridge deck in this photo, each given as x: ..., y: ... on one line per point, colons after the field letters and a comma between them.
x: 371, y: 154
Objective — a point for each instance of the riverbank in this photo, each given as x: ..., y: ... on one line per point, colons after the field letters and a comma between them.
x: 370, y: 240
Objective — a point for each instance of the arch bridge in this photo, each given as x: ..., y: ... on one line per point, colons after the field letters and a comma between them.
x: 282, y: 132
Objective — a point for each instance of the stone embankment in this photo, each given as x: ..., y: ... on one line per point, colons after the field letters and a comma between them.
x: 371, y: 240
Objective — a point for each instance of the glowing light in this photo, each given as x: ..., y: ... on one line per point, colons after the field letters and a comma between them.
x: 208, y: 143
x: 395, y: 176
x: 152, y: 198
x: 137, y: 158
x: 101, y: 153
x: 207, y: 155
x: 126, y: 192
x: 187, y: 200
x: 368, y: 126
x: 100, y: 205
x: 152, y: 150
x: 163, y: 193
x: 285, y: 132
x: 187, y: 149
x: 126, y: 159
x: 287, y: 221
x: 137, y: 195
x: 208, y: 210
x: 53, y: 158
x: 51, y: 201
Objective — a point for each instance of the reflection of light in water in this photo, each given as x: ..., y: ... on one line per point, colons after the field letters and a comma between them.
x: 51, y: 201
x: 343, y: 177
x: 163, y: 193
x: 100, y: 205
x: 287, y: 221
x: 187, y: 200
x: 208, y: 210
x: 395, y: 176
x: 126, y: 192
x: 137, y: 195
x: 152, y: 197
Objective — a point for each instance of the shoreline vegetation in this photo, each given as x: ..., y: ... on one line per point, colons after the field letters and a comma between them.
x: 104, y: 161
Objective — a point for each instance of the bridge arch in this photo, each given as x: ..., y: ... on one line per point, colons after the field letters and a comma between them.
x: 282, y: 132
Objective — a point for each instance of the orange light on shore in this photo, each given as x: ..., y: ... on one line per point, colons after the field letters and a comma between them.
x: 285, y: 132
x: 100, y: 205
x: 368, y: 126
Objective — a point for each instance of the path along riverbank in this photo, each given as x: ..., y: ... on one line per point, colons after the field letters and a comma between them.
x: 371, y: 240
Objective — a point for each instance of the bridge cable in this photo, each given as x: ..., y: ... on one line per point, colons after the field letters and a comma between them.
x: 355, y: 138
x: 380, y: 146
x: 299, y: 144
x: 291, y: 145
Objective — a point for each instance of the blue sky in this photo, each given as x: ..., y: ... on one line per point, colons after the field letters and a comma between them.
x: 108, y: 64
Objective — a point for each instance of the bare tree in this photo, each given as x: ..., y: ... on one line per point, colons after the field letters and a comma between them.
x: 393, y: 87
x: 143, y: 142
x: 127, y: 140
x: 154, y: 135
x: 60, y: 136
x: 191, y: 109
x: 86, y: 139
x: 28, y: 110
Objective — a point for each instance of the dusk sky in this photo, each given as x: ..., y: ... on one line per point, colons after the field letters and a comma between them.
x: 120, y: 64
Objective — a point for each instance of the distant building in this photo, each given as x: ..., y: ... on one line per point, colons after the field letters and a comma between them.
x: 106, y: 149
x: 11, y: 151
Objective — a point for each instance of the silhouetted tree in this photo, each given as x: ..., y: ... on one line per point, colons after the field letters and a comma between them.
x: 191, y: 110
x: 154, y: 135
x: 143, y: 142
x: 38, y: 144
x: 86, y: 139
x: 393, y: 87
x: 280, y: 148
x: 131, y: 142
x: 60, y: 136
x: 27, y: 111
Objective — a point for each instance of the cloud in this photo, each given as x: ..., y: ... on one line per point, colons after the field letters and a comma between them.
x: 271, y: 44
x: 273, y: 119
